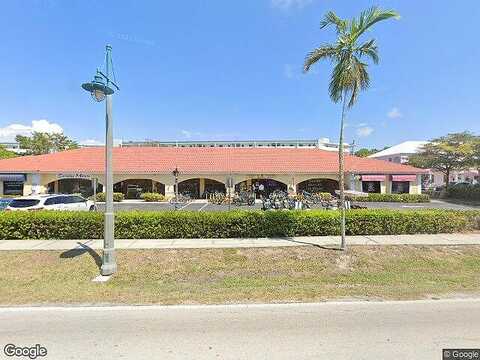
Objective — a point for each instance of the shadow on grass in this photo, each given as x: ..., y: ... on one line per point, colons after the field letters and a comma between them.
x: 72, y: 253
x: 333, y: 248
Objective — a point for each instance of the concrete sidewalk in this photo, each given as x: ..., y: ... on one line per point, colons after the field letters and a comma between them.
x: 328, y: 241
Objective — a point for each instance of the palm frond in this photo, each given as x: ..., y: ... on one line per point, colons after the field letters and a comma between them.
x: 360, y: 80
x: 332, y: 19
x: 368, y: 18
x: 340, y: 79
x: 369, y: 49
x: 349, y: 75
x: 326, y: 51
x: 336, y: 88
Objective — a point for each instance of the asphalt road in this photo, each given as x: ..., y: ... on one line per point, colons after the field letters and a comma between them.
x: 203, y: 206
x: 361, y: 330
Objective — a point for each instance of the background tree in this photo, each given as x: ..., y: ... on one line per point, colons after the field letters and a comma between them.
x: 5, y: 154
x: 364, y: 152
x: 45, y: 143
x: 446, y: 154
x: 349, y: 75
x: 60, y: 143
x: 476, y: 155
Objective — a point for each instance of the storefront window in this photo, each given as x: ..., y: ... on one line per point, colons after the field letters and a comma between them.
x: 371, y: 186
x: 318, y: 185
x: 13, y: 188
x: 400, y: 187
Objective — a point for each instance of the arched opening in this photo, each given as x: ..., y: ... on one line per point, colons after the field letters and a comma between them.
x: 318, y: 185
x: 199, y: 188
x: 261, y: 187
x: 73, y: 186
x: 134, y: 188
x: 213, y: 186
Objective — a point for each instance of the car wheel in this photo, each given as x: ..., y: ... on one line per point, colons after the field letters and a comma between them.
x: 92, y: 208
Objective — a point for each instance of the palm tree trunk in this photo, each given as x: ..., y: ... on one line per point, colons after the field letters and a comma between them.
x: 341, y: 172
x: 447, y: 180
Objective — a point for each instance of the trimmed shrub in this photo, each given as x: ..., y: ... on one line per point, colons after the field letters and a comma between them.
x: 117, y: 197
x: 403, y: 198
x: 152, y: 197
x: 184, y: 224
x: 324, y: 196
x: 464, y: 192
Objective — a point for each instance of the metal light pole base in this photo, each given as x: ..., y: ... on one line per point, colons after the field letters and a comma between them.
x: 109, y: 264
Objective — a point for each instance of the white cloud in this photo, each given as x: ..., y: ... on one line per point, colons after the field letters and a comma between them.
x: 91, y: 142
x: 207, y: 136
x: 288, y: 4
x: 288, y: 71
x: 394, y: 113
x: 8, y: 133
x: 364, y: 131
x: 186, y: 134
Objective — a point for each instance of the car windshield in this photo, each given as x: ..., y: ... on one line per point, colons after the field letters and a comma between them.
x: 4, y: 203
x: 23, y: 203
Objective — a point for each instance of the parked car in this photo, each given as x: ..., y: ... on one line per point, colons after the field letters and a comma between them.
x: 460, y: 184
x: 51, y: 202
x: 4, y: 203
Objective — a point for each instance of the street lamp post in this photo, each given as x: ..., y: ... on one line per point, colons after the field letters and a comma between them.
x: 175, y: 173
x: 101, y: 88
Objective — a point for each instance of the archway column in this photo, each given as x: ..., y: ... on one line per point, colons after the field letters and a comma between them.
x: 292, y: 186
x: 169, y: 190
x: 201, y: 186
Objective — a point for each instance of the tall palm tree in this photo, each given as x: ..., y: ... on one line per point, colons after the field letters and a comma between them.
x: 349, y: 75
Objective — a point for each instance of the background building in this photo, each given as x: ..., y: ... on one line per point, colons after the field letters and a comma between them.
x: 322, y: 143
x: 400, y: 154
x: 13, y: 147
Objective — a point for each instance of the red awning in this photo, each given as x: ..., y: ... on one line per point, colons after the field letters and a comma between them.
x: 373, y: 177
x: 404, y: 177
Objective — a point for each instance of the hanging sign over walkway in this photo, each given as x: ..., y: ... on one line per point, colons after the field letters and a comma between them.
x: 373, y: 177
x: 404, y: 177
x: 74, y: 176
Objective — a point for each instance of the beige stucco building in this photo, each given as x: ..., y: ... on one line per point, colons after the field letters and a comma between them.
x: 202, y: 170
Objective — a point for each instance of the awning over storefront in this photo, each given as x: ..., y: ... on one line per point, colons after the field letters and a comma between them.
x: 404, y: 177
x: 12, y: 177
x: 373, y: 177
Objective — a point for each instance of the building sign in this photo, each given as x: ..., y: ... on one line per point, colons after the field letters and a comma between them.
x: 12, y: 177
x: 404, y: 177
x: 74, y: 176
x: 320, y: 185
x: 373, y: 177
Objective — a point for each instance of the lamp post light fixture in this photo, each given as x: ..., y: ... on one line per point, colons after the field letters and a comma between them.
x: 102, y: 88
x: 175, y: 173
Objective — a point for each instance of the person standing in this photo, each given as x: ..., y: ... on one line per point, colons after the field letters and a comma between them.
x: 261, y: 189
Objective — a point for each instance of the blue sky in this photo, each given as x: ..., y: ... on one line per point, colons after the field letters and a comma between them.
x: 201, y: 70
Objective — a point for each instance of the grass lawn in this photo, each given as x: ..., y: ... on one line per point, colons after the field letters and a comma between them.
x: 241, y: 275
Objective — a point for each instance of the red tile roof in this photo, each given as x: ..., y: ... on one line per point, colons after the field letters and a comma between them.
x: 201, y: 161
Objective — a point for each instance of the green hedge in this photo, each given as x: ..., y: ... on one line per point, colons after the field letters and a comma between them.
x: 152, y: 197
x: 464, y: 192
x: 117, y: 197
x: 183, y: 224
x: 403, y: 198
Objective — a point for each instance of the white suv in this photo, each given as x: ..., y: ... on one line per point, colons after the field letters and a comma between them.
x: 51, y: 202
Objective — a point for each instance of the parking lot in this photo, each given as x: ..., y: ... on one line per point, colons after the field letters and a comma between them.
x: 201, y: 205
